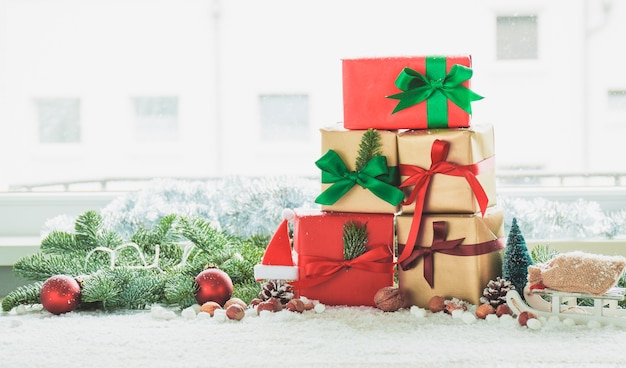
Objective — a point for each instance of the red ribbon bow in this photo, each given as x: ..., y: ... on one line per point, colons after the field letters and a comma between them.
x: 420, y: 178
x: 320, y: 269
x: 450, y: 247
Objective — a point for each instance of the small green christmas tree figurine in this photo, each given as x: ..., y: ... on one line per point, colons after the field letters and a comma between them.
x: 516, y: 259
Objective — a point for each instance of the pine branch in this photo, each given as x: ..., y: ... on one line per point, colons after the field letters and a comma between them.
x: 202, y: 234
x: 58, y: 242
x: 142, y: 291
x: 246, y: 291
x: 152, y: 268
x: 40, y: 267
x: 164, y: 233
x: 180, y: 289
x: 90, y: 233
x: 354, y: 240
x: 369, y: 147
x: 104, y: 288
x: 542, y: 253
x: 240, y: 270
x: 23, y: 295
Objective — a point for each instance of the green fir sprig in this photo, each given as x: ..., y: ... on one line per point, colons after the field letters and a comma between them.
x: 369, y: 147
x: 354, y: 240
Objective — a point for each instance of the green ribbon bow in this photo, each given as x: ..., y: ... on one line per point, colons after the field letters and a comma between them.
x: 334, y: 171
x: 436, y: 87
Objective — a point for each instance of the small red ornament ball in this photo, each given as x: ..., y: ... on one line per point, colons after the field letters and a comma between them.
x: 214, y: 285
x: 60, y: 294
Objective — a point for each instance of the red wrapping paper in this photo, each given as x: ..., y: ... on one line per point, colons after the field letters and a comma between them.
x: 366, y: 82
x: 322, y: 273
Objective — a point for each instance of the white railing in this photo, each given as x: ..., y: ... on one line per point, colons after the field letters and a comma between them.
x: 505, y: 179
x: 23, y: 213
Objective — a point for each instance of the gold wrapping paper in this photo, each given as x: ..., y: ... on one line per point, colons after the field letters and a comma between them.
x: 450, y: 194
x: 462, y: 277
x: 346, y: 144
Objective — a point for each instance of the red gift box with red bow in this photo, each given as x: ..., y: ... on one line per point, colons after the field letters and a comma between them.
x: 324, y: 274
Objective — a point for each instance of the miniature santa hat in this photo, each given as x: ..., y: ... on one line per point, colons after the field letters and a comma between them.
x: 277, y: 262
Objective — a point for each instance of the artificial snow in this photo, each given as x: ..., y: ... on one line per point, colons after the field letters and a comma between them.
x: 338, y: 337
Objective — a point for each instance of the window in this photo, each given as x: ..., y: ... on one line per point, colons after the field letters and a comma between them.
x: 58, y: 120
x: 617, y: 100
x: 156, y: 119
x: 517, y: 37
x: 284, y: 117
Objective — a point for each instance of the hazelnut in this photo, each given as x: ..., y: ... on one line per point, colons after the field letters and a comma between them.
x: 254, y: 302
x: 503, y: 309
x: 265, y: 306
x: 483, y: 310
x: 389, y: 299
x: 308, y: 304
x: 235, y: 311
x: 210, y: 307
x: 231, y: 301
x: 295, y: 305
x: 278, y: 305
x: 437, y: 304
x: 524, y: 317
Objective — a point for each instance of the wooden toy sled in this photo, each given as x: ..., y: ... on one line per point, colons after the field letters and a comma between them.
x: 548, y: 303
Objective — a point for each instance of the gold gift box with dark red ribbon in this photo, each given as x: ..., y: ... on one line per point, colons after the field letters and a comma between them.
x: 455, y: 255
x: 324, y: 275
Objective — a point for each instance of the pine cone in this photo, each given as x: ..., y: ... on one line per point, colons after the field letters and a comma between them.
x: 495, y: 292
x: 277, y: 289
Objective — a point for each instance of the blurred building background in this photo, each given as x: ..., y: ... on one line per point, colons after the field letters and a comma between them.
x: 96, y: 91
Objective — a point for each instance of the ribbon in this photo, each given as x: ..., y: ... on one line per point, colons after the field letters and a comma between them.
x: 436, y: 87
x: 319, y: 269
x: 335, y: 171
x: 450, y: 247
x: 420, y: 179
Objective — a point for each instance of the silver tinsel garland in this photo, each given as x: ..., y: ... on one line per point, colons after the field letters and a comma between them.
x: 246, y: 206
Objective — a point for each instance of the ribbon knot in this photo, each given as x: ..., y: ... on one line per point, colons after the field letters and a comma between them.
x: 420, y: 179
x: 439, y: 244
x: 417, y: 87
x: 335, y: 171
x: 449, y: 247
x: 320, y: 269
x: 436, y: 84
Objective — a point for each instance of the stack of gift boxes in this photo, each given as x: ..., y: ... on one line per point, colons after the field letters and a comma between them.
x: 426, y: 200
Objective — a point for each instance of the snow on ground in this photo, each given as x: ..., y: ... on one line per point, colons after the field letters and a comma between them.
x: 334, y: 337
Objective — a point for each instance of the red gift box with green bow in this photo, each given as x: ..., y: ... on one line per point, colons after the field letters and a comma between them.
x: 421, y: 92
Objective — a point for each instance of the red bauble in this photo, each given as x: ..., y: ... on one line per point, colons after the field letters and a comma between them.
x: 60, y: 294
x: 214, y: 285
